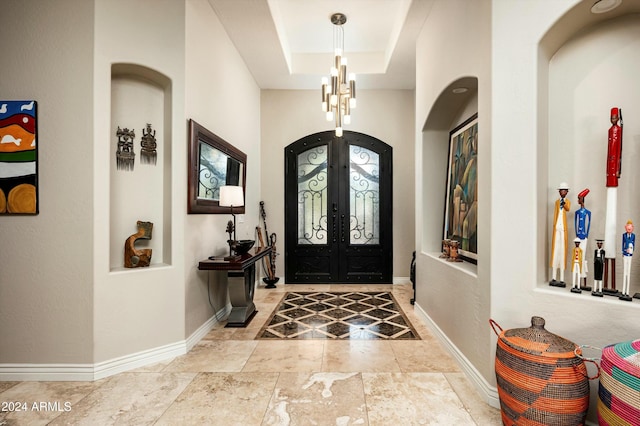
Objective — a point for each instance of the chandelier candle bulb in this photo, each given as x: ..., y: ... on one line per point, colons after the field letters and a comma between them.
x: 347, y: 113
x: 352, y: 90
x: 324, y: 82
x: 327, y: 102
x: 329, y: 115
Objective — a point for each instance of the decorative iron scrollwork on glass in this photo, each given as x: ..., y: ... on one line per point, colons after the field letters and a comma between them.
x: 213, y: 167
x: 312, y: 196
x: 364, y: 193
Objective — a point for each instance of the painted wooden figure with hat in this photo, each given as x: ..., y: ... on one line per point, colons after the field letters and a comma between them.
x: 628, y: 243
x: 613, y: 172
x: 559, y: 239
x: 582, y: 224
x: 598, y: 269
x: 576, y: 266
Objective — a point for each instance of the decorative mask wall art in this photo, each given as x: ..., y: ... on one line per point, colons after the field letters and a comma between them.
x: 125, y: 157
x: 148, y: 153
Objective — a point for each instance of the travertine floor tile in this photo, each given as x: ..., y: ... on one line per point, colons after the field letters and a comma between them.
x: 127, y: 399
x: 220, y: 333
x: 286, y: 356
x: 7, y: 385
x: 153, y: 368
x: 214, y: 356
x: 359, y: 355
x: 38, y: 403
x: 413, y: 399
x: 229, y: 378
x: 222, y: 399
x: 481, y: 412
x: 317, y: 399
x: 422, y: 356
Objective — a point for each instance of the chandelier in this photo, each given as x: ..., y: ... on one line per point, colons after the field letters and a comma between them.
x: 338, y: 93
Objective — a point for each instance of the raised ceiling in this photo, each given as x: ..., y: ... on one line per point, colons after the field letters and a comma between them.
x: 288, y: 44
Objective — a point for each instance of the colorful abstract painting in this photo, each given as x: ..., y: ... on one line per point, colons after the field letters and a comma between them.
x: 461, y: 209
x: 18, y: 158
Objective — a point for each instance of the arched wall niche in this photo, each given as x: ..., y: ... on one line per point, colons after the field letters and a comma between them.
x: 449, y: 110
x: 587, y: 64
x: 140, y: 96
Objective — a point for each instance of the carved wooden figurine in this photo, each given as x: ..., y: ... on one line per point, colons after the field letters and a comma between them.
x: 446, y: 249
x: 454, y: 245
x: 134, y: 258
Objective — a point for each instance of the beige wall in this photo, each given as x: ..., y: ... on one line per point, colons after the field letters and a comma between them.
x: 62, y: 301
x: 289, y: 115
x: 46, y: 272
x: 222, y: 96
x: 143, y: 308
x: 455, y: 297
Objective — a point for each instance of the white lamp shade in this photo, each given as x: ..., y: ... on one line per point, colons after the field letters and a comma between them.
x: 231, y: 196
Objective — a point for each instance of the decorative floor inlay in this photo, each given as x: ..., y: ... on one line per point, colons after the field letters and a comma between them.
x: 338, y: 315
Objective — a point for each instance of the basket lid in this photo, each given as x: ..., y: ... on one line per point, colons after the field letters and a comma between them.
x: 536, y: 340
x: 625, y: 356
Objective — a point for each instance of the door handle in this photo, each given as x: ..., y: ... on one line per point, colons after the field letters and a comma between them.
x: 334, y: 233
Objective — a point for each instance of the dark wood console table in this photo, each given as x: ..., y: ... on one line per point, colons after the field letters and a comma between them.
x: 242, y: 276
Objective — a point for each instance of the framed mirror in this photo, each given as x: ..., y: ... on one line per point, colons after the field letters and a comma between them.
x: 213, y: 162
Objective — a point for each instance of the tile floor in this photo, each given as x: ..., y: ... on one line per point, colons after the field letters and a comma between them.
x: 230, y: 378
x: 355, y: 315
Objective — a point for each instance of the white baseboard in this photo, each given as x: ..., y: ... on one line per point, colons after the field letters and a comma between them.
x: 401, y: 280
x: 100, y: 370
x: 488, y: 392
x: 205, y: 328
x: 46, y: 372
x: 139, y: 359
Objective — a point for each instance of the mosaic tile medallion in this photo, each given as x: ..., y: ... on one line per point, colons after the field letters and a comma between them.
x: 362, y: 315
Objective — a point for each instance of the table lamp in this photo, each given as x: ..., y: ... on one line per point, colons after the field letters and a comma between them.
x: 231, y: 196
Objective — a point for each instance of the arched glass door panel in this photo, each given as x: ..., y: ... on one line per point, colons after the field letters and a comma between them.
x: 364, y: 196
x: 312, y: 196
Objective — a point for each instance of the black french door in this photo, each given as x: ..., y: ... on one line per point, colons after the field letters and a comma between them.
x: 338, y: 209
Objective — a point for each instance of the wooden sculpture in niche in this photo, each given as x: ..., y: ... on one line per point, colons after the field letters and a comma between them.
x: 134, y: 258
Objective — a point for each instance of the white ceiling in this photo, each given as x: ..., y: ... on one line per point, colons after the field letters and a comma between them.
x: 288, y: 44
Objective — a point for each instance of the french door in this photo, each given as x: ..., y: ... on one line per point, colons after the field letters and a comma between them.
x: 338, y: 209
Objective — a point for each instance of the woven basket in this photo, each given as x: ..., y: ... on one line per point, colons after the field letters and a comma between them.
x: 619, y: 389
x: 540, y: 379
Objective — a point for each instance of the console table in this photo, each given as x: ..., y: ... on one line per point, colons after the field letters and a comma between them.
x: 241, y: 273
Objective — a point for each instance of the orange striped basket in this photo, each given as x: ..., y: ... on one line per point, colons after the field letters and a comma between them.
x: 619, y: 389
x: 540, y: 379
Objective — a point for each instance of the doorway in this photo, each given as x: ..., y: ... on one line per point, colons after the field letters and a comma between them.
x: 338, y: 209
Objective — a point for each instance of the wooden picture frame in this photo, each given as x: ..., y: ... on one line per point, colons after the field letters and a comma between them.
x: 461, y: 200
x: 213, y: 162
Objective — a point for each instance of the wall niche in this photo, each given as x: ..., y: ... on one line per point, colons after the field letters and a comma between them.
x: 140, y: 96
x: 584, y: 71
x: 457, y: 102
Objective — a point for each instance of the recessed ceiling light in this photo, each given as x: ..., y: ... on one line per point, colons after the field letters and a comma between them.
x: 459, y: 90
x: 603, y: 6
